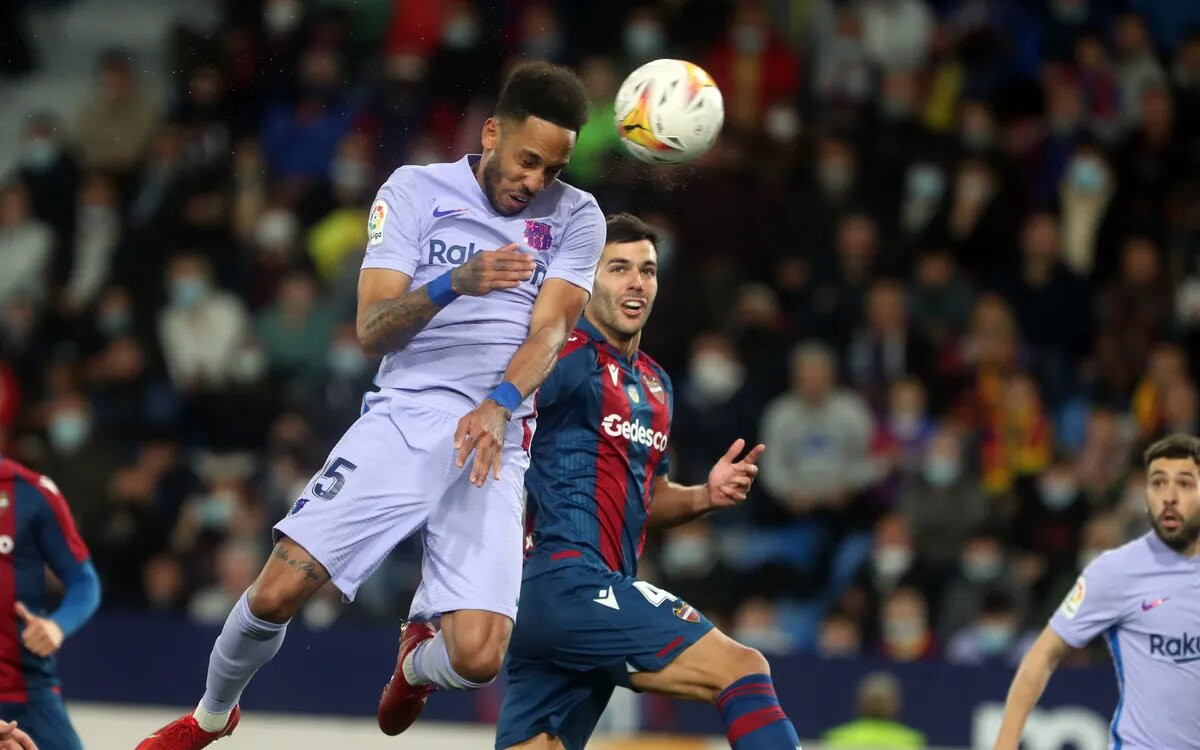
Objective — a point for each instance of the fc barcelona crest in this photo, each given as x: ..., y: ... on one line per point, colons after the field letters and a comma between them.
x: 686, y: 612
x: 537, y: 235
x: 654, y: 385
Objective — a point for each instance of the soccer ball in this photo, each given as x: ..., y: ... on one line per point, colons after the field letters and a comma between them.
x: 669, y: 112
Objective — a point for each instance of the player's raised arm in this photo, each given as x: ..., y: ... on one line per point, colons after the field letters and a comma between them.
x: 558, y: 307
x: 390, y: 313
x: 1028, y: 685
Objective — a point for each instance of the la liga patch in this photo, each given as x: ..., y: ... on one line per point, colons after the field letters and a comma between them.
x: 375, y: 222
x: 686, y: 612
x: 1070, y: 605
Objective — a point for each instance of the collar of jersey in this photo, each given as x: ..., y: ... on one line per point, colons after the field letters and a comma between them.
x: 1161, y: 547
x: 596, y: 335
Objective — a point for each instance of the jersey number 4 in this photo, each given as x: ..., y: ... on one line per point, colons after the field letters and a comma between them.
x: 335, y: 472
x: 654, y: 594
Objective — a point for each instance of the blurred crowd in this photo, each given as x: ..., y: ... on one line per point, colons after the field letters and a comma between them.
x: 944, y: 261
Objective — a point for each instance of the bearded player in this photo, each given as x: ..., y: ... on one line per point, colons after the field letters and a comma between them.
x: 1144, y: 598
x: 467, y: 334
x: 598, y: 479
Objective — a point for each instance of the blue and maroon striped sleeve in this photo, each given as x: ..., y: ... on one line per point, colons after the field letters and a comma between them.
x: 64, y: 551
x: 576, y: 360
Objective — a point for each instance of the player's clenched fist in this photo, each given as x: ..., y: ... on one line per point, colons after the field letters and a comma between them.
x: 482, y: 431
x: 12, y: 738
x: 41, y: 635
x: 502, y: 268
x: 729, y: 481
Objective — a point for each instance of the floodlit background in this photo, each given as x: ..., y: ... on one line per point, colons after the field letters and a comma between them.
x: 981, y: 217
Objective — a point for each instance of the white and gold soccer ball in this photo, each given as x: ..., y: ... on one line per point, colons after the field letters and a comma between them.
x: 669, y: 112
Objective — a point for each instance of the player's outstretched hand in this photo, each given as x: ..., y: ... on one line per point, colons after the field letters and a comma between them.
x: 730, y: 480
x: 12, y: 738
x: 502, y: 268
x: 482, y: 431
x: 41, y: 635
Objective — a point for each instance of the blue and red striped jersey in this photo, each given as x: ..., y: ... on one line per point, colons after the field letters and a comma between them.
x: 36, y: 530
x: 604, y: 420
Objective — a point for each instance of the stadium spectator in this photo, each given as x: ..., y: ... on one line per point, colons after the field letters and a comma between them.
x: 821, y: 435
x: 993, y: 637
x: 878, y: 724
x: 26, y: 248
x: 904, y: 627
x: 113, y: 128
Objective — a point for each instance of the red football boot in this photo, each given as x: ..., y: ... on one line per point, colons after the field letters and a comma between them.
x: 185, y: 734
x: 401, y: 703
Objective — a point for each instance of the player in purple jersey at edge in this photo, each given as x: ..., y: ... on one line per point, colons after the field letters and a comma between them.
x: 1144, y: 597
x: 468, y: 334
x: 598, y: 478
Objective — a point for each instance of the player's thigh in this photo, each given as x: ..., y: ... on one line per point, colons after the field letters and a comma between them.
x: 703, y: 670
x: 49, y: 726
x: 377, y: 487
x: 474, y: 542
x: 549, y: 707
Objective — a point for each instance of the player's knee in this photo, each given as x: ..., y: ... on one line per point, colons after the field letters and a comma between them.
x: 741, y: 661
x: 274, y: 601
x: 481, y: 664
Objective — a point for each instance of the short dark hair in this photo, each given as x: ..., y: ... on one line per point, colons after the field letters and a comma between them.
x: 549, y: 92
x: 1179, y: 445
x: 625, y: 227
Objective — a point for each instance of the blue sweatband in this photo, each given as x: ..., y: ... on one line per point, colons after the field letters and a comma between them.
x: 440, y: 291
x: 507, y: 395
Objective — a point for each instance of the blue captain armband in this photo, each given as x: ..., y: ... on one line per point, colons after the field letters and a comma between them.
x: 441, y: 293
x: 507, y: 395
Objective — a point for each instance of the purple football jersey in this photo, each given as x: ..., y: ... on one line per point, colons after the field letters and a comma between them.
x: 1145, y: 599
x: 427, y: 220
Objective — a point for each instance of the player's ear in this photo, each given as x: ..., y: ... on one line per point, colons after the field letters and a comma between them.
x: 491, y: 134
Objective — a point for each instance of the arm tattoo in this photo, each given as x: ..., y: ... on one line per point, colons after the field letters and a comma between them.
x: 308, y: 567
x: 391, y: 323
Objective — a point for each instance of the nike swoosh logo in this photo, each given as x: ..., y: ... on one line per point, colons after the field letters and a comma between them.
x: 1147, y: 606
x: 438, y: 213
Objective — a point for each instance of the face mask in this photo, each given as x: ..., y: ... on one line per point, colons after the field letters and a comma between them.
x: 275, y: 229
x: 114, y: 321
x: 1057, y: 494
x: 1086, y: 175
x: 187, y: 291
x: 835, y: 177
x: 39, y: 154
x: 714, y: 377
x: 347, y: 360
x: 770, y: 640
x: 281, y: 17
x: 349, y: 175
x: 249, y: 364
x: 687, y: 554
x: 905, y: 425
x: 643, y: 40
x: 782, y: 124
x: 460, y: 34
x: 903, y: 632
x: 216, y: 510
x: 925, y: 183
x: 941, y: 471
x: 982, y: 569
x: 68, y: 431
x: 994, y: 640
x: 98, y: 217
x: 749, y: 40
x: 892, y: 562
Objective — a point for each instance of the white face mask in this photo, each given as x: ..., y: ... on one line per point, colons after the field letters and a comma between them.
x: 282, y: 16
x: 892, y: 562
x: 714, y: 378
